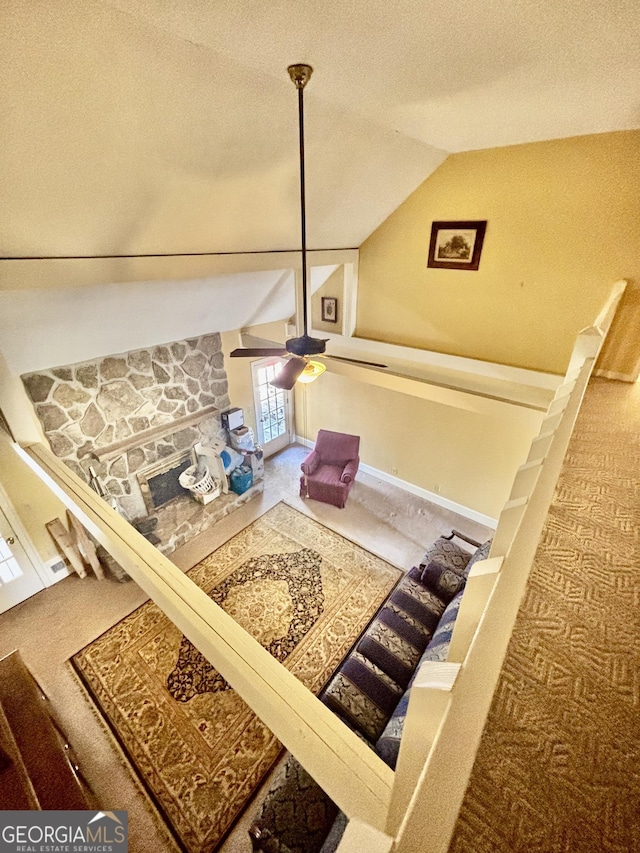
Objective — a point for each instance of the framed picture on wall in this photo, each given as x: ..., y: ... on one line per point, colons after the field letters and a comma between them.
x: 456, y: 245
x: 330, y: 309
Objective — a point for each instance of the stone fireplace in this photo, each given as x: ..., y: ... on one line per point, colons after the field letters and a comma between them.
x: 135, y: 412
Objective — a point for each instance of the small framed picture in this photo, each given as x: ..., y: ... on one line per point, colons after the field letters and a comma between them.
x: 330, y: 309
x: 456, y: 245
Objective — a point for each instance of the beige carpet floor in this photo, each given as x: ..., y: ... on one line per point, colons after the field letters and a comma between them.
x: 558, y: 770
x: 53, y: 625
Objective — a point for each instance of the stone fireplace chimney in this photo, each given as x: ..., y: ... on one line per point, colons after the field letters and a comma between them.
x: 126, y: 412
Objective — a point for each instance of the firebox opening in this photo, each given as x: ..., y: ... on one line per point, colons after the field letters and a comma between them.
x: 159, y: 482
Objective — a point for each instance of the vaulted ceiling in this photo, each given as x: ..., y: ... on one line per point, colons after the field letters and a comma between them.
x: 143, y: 126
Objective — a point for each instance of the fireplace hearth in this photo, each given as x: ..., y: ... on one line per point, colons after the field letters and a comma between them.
x: 182, y: 518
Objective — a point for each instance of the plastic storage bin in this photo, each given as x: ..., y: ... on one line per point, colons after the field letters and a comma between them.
x: 241, y: 479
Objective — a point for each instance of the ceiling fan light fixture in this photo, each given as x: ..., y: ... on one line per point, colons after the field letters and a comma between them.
x: 311, y: 372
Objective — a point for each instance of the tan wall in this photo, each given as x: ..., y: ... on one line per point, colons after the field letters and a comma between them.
x: 467, y: 457
x: 620, y: 355
x: 563, y: 226
x: 32, y: 501
x: 239, y: 369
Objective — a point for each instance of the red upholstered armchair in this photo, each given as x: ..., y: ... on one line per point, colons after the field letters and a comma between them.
x: 329, y: 470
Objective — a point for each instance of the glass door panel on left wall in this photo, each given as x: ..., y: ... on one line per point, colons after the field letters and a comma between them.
x: 18, y: 577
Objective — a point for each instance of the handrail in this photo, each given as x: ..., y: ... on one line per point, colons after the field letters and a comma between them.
x: 443, y: 782
x: 353, y: 776
x: 607, y: 313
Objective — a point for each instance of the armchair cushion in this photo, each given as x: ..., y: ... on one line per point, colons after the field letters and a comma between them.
x: 337, y: 448
x: 296, y: 814
x: 363, y: 695
x: 448, y: 554
x: 482, y: 553
x: 400, y: 632
x: 388, y: 744
x: 311, y: 463
x: 350, y: 470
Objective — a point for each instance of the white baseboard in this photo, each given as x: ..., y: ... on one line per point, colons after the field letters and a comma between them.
x: 418, y: 491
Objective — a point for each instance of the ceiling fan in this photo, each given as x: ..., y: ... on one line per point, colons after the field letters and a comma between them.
x: 298, y: 366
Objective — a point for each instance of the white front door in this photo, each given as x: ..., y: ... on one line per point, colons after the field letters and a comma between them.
x: 273, y: 406
x: 18, y: 577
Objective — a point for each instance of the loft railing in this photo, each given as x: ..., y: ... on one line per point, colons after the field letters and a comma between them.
x: 456, y: 710
x: 449, y: 701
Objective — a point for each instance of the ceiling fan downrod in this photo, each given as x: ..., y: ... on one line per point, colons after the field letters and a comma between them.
x: 300, y: 76
x: 297, y: 349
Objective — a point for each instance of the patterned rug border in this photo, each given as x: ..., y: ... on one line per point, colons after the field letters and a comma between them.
x: 160, y: 818
x: 152, y: 804
x: 154, y: 809
x: 315, y: 520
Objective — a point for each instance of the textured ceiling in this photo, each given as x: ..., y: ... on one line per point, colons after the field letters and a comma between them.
x: 140, y: 126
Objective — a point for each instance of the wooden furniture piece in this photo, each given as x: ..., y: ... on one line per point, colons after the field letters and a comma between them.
x: 76, y: 546
x: 85, y: 545
x: 64, y: 541
x: 37, y: 767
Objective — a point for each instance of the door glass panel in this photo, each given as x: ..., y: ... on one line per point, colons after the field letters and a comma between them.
x: 273, y: 407
x: 9, y: 568
x: 18, y: 576
x: 271, y: 404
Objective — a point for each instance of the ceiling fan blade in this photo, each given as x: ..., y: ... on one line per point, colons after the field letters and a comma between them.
x: 257, y: 352
x: 287, y: 375
x: 356, y: 361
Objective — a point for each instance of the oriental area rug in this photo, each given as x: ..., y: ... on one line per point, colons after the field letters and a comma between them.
x: 304, y: 592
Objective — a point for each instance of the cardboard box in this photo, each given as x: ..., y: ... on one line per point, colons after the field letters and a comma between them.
x: 232, y: 418
x: 254, y: 459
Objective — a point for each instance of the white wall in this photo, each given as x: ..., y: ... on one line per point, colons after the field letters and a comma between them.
x: 43, y: 326
x: 49, y: 327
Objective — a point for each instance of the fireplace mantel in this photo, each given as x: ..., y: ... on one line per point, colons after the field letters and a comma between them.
x: 110, y: 451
